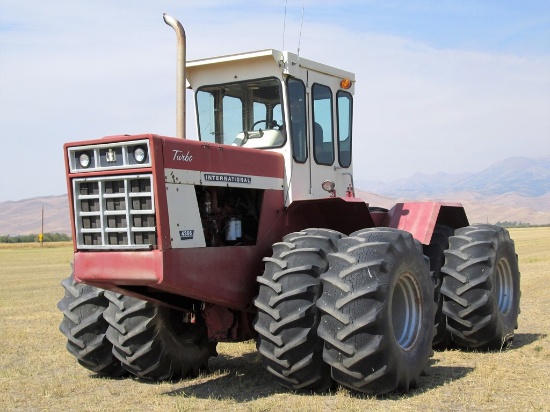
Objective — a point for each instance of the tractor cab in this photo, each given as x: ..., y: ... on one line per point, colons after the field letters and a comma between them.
x: 276, y: 101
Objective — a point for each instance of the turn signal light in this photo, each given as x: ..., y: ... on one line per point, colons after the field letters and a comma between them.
x: 345, y: 83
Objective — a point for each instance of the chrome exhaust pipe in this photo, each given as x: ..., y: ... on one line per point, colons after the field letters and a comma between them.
x: 180, y: 74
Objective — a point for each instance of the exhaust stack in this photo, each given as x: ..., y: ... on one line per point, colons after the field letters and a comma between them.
x: 180, y: 74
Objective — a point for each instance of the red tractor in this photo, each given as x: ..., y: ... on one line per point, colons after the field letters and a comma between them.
x: 254, y: 232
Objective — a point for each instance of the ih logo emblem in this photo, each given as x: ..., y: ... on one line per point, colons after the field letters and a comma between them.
x: 110, y: 156
x: 187, y: 234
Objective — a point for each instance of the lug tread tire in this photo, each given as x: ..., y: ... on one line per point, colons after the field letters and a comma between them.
x: 85, y: 328
x: 151, y: 341
x: 435, y: 251
x: 287, y: 316
x: 356, y: 322
x: 477, y: 260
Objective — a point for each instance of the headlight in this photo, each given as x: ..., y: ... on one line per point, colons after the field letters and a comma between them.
x: 84, y: 160
x: 139, y: 154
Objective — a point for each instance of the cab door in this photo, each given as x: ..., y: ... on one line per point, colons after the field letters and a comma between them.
x: 298, y: 121
x: 330, y: 134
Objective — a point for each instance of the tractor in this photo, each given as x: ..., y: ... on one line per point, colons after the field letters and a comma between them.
x: 254, y: 231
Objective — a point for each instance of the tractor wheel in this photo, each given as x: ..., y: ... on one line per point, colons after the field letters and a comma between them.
x: 84, y: 327
x: 435, y: 251
x: 377, y: 311
x: 153, y: 342
x: 287, y: 317
x: 481, y: 287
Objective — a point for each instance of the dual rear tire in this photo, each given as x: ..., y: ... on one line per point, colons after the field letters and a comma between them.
x: 370, y: 311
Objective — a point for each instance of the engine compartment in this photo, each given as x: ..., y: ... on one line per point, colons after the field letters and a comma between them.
x: 229, y: 215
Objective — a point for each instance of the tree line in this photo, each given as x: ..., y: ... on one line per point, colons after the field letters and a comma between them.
x: 507, y: 224
x: 47, y: 237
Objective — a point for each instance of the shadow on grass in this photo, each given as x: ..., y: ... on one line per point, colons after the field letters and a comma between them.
x: 435, y: 377
x: 244, y: 379
x: 241, y: 379
x: 525, y: 339
x: 518, y: 341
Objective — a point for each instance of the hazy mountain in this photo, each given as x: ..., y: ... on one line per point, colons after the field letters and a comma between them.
x: 525, y: 176
x: 24, y: 217
x: 528, y: 177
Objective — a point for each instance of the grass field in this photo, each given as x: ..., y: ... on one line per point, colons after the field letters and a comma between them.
x: 37, y: 373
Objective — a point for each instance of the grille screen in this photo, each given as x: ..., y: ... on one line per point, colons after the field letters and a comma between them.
x: 115, y: 212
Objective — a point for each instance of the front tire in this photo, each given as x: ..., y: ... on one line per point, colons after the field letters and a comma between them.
x: 481, y: 287
x: 377, y: 311
x: 84, y: 327
x: 287, y: 317
x: 152, y: 342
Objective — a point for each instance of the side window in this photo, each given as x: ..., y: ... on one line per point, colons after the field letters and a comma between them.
x: 298, y: 118
x: 232, y: 118
x: 206, y: 118
x: 344, y: 107
x: 323, y: 150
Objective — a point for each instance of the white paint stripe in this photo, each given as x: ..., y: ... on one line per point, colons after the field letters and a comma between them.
x: 195, y: 177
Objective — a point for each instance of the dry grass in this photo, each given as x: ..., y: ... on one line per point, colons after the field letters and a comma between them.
x: 37, y: 373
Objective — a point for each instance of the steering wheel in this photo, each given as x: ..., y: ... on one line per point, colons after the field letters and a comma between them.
x: 272, y: 123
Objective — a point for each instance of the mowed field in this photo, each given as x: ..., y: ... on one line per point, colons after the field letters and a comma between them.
x: 38, y: 374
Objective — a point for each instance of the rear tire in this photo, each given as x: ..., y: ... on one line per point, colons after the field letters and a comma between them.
x: 481, y: 287
x: 287, y: 317
x: 152, y: 342
x: 435, y: 251
x: 377, y: 311
x: 84, y: 327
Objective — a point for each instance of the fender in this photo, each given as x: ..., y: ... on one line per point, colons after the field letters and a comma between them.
x: 343, y: 214
x: 420, y: 218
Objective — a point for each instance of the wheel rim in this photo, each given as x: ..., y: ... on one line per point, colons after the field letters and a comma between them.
x: 406, y: 311
x: 504, y: 286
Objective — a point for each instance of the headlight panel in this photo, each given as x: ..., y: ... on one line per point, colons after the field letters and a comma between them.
x: 109, y: 156
x: 84, y: 159
x: 140, y: 154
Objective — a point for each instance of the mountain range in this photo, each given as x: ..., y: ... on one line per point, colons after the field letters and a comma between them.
x: 527, y: 177
x: 514, y: 190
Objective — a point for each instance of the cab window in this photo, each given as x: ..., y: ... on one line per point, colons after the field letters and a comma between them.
x: 298, y: 118
x: 323, y: 150
x: 344, y: 108
x: 243, y: 113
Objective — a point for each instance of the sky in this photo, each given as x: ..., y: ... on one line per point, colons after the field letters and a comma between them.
x: 442, y: 86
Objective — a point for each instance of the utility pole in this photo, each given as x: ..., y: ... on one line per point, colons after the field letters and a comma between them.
x: 41, y: 235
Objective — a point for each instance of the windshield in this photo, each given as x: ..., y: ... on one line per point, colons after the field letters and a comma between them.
x: 243, y: 113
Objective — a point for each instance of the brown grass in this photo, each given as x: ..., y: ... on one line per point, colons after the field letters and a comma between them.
x: 37, y: 373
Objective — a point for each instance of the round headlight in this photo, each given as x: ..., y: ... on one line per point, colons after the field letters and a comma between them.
x: 328, y: 185
x: 139, y: 154
x: 84, y: 160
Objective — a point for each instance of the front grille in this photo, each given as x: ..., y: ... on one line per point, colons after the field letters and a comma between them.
x: 115, y: 212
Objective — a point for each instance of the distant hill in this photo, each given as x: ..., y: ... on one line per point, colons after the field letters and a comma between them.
x: 514, y: 190
x: 24, y: 217
x: 527, y: 177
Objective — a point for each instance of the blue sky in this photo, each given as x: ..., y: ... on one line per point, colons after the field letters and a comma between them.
x: 442, y: 86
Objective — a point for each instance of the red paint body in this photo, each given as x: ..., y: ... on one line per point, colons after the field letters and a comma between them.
x: 225, y: 277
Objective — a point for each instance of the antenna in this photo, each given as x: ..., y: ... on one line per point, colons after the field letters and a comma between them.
x: 300, y: 37
x: 284, y: 26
